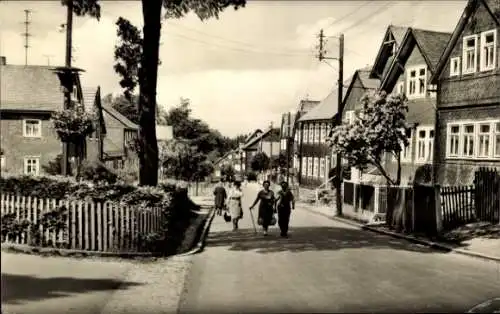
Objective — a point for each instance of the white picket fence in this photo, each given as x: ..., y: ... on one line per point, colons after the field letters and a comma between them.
x: 104, y: 227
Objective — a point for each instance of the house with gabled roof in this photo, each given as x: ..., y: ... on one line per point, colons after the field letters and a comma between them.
x: 357, y: 86
x: 468, y: 103
x: 29, y: 94
x: 264, y: 142
x: 314, y: 153
x: 409, y: 73
x: 390, y: 44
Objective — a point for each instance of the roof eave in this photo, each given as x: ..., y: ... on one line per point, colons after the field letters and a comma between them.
x: 469, y: 9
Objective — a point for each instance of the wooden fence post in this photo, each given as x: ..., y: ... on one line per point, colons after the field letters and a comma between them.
x: 377, y: 198
x: 437, y: 208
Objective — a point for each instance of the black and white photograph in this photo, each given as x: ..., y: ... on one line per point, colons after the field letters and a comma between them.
x: 250, y: 156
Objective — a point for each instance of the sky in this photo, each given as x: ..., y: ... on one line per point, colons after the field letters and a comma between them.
x: 242, y: 71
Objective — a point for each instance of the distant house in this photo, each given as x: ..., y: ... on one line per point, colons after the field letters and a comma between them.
x: 314, y: 153
x: 409, y: 74
x: 468, y: 103
x: 261, y: 141
x: 112, y: 142
x: 233, y: 158
x: 28, y: 97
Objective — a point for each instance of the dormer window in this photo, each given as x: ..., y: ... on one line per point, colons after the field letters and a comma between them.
x: 488, y: 50
x: 469, y: 54
x: 416, y: 82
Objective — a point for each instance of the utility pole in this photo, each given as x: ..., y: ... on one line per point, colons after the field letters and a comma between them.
x: 26, y: 34
x: 338, y: 116
x: 67, y: 92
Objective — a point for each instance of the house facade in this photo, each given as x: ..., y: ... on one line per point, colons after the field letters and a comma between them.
x: 233, y: 158
x: 468, y: 103
x: 315, y: 157
x: 359, y: 84
x: 409, y: 74
x: 29, y: 95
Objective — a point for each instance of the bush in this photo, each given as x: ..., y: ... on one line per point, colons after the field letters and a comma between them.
x: 54, y: 166
x: 97, y: 172
x: 172, y: 199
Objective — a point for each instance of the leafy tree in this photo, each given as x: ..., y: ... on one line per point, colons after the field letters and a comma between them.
x: 380, y: 128
x: 227, y: 171
x: 279, y: 161
x: 260, y: 162
x: 138, y: 56
x: 183, y: 162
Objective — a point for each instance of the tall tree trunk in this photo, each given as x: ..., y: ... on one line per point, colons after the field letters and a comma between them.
x: 398, y: 174
x: 148, y: 157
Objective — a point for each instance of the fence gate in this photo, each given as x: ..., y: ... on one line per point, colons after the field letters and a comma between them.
x: 487, y: 186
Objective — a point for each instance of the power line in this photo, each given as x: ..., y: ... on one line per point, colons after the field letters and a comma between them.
x: 349, y: 14
x: 26, y: 34
x: 369, y: 16
x: 240, y: 49
x: 230, y: 40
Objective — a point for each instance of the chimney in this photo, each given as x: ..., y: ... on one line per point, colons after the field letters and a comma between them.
x: 3, y: 60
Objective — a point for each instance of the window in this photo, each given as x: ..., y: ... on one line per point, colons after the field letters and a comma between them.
x: 2, y: 162
x: 425, y: 138
x: 468, y: 140
x: 32, y: 128
x: 455, y: 66
x: 497, y: 139
x: 349, y: 117
x: 323, y: 132
x: 488, y: 50
x: 311, y: 133
x: 401, y: 88
x: 406, y: 150
x: 417, y: 82
x: 453, y: 140
x: 316, y: 133
x: 309, y: 166
x: 484, y: 140
x: 32, y: 165
x: 306, y: 133
x: 469, y: 57
x: 316, y: 167
x: 322, y: 166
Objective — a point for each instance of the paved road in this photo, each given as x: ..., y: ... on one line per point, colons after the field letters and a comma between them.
x: 326, y: 266
x: 34, y: 284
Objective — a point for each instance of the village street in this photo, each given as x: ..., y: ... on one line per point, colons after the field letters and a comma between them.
x: 329, y: 266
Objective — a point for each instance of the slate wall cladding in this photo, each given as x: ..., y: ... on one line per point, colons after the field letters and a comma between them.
x: 461, y: 171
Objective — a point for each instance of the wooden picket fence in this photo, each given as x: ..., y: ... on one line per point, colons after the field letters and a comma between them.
x: 89, y: 226
x: 457, y: 206
x: 487, y: 184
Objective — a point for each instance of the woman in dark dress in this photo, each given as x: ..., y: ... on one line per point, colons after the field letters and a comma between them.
x: 266, y: 206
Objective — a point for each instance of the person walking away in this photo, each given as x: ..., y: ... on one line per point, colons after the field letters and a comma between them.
x: 266, y: 200
x: 220, y: 197
x: 234, y: 203
x: 285, y: 203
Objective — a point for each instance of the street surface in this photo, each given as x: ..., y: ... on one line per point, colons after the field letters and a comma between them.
x: 56, y: 285
x: 326, y: 266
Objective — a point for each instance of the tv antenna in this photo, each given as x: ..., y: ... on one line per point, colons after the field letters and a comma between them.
x: 26, y: 34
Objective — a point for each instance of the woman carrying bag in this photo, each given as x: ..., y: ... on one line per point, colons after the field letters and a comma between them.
x: 266, y: 207
x: 234, y: 204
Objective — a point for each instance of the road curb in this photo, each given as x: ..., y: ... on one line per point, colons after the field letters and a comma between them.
x: 201, y: 242
x: 409, y: 238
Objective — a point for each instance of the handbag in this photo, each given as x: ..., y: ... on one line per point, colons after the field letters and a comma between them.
x: 273, y: 220
x: 227, y: 217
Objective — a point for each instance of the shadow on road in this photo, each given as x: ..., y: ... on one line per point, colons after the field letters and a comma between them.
x: 19, y: 288
x: 310, y: 239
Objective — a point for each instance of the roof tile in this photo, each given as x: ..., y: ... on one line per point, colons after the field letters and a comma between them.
x: 31, y: 87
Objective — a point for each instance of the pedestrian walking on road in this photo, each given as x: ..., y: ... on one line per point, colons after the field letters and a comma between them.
x: 220, y: 197
x: 285, y: 203
x: 234, y: 203
x: 266, y: 206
